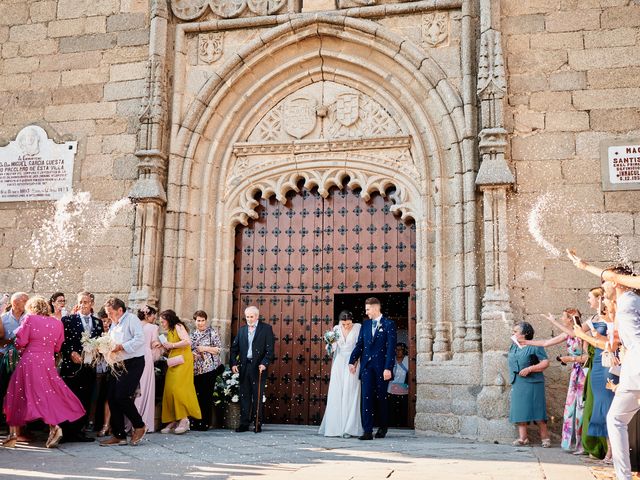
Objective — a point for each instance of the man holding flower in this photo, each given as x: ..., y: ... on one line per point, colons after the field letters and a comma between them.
x: 79, y: 376
x: 128, y: 338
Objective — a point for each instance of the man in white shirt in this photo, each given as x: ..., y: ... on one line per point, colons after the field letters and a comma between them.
x: 126, y: 331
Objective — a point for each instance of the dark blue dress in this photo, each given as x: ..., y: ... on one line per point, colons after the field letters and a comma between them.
x: 602, y: 397
x: 528, y: 403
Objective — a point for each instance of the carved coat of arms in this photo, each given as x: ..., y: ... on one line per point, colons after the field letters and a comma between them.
x: 210, y: 46
x: 435, y: 28
x: 347, y: 108
x: 299, y: 116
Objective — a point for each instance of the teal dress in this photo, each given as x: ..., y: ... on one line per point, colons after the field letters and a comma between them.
x: 528, y: 403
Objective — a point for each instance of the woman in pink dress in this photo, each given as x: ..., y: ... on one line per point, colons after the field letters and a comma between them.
x: 146, y: 402
x: 36, y: 390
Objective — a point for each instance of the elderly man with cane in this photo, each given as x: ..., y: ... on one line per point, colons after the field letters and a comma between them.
x: 251, y: 353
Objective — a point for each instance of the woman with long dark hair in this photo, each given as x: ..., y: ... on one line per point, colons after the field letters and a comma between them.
x: 179, y: 400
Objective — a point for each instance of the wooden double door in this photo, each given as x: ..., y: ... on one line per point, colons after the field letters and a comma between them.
x: 301, y: 262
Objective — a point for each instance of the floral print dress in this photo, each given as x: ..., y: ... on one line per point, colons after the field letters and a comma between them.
x: 574, y: 405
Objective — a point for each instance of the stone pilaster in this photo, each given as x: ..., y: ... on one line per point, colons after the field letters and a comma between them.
x: 148, y: 193
x: 494, y: 181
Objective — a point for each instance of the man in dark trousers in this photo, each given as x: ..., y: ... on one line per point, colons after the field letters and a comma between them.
x: 79, y: 376
x: 126, y: 331
x: 375, y: 349
x: 251, y: 352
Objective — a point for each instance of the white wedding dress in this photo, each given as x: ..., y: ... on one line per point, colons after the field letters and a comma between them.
x: 342, y: 416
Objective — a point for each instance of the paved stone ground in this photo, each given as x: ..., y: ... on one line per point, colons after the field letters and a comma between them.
x: 292, y: 453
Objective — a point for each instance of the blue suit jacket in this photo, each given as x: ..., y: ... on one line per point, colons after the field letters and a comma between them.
x: 376, y: 351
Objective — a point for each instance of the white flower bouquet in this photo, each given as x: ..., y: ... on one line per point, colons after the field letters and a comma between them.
x: 330, y: 339
x: 95, y: 350
x: 227, y: 388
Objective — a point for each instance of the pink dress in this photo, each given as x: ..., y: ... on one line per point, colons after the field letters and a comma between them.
x: 36, y: 391
x: 146, y: 402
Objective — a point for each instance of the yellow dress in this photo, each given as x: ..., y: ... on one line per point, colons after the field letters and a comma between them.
x: 179, y: 397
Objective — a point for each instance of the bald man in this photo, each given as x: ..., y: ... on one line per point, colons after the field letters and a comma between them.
x: 11, y: 320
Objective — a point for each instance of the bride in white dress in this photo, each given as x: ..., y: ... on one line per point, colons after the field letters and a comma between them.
x: 342, y: 416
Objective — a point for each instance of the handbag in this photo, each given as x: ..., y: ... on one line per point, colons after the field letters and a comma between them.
x: 10, y: 360
x: 608, y: 359
x: 175, y: 361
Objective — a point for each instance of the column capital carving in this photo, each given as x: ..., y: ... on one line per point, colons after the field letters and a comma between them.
x: 492, y: 140
x: 494, y: 169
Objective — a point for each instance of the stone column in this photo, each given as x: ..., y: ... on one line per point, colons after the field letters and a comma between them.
x: 494, y: 181
x: 148, y: 193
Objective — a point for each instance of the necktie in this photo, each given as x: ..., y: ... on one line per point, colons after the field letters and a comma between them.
x: 86, y: 323
x: 374, y: 324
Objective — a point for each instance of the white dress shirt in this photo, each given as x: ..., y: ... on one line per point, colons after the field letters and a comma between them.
x: 129, y: 333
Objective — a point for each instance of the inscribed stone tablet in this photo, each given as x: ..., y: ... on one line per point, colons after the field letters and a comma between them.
x: 34, y: 167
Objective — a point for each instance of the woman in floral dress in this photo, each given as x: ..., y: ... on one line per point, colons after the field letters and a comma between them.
x: 574, y: 404
x: 205, y: 345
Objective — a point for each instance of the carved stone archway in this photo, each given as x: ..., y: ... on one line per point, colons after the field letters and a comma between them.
x: 218, y: 162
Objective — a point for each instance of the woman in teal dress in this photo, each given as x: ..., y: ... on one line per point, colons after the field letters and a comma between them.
x: 528, y: 403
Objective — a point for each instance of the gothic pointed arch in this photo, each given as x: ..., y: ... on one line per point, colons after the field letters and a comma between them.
x: 393, y: 119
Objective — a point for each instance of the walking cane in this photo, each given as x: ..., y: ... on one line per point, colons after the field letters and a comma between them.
x: 258, y: 401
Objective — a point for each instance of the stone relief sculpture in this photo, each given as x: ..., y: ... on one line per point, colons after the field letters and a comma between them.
x: 210, y: 46
x: 299, y: 115
x: 269, y: 129
x: 350, y: 114
x: 351, y: 117
x: 347, y: 108
x: 188, y: 9
x: 29, y: 141
x: 227, y: 8
x: 265, y: 7
x: 193, y: 9
x: 435, y: 29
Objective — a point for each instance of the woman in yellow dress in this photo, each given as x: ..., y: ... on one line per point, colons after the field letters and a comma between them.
x: 179, y: 400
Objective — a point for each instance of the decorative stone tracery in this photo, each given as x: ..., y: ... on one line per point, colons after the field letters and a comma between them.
x: 338, y: 112
x: 323, y: 179
x: 193, y: 9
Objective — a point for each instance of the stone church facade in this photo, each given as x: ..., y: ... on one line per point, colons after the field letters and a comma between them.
x: 453, y: 115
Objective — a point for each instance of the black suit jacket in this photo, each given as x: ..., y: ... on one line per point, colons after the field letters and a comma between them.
x: 73, y: 330
x: 261, y: 348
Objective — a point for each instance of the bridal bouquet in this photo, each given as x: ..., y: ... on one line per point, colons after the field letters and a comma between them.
x: 95, y: 350
x: 330, y: 338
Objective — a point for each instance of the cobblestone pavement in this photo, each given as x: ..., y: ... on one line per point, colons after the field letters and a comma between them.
x: 292, y: 453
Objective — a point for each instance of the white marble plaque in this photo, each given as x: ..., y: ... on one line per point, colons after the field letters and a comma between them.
x: 34, y: 167
x: 620, y: 164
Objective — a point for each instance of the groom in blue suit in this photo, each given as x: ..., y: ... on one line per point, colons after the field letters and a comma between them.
x: 376, y: 349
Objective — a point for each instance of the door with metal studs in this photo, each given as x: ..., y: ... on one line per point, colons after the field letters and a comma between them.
x: 298, y: 263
